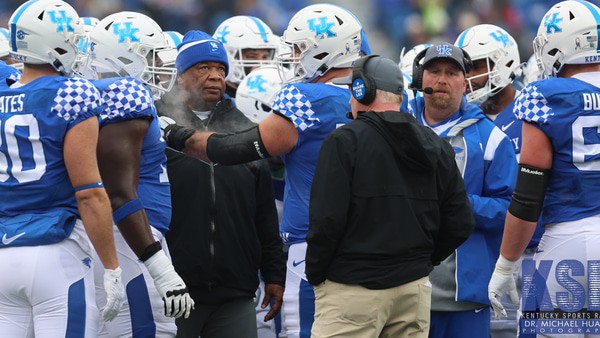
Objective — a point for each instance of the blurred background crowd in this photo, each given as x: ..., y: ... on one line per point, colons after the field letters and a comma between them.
x: 390, y: 24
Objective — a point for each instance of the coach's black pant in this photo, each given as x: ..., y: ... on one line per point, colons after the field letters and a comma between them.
x: 236, y: 318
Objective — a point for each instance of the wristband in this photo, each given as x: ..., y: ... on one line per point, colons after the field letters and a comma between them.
x: 127, y: 209
x: 89, y: 186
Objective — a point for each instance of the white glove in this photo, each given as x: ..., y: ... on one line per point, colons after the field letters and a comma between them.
x: 115, y: 293
x: 502, y: 281
x: 170, y: 286
x: 164, y: 122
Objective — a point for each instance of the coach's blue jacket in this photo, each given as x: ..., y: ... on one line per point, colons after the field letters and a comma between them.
x: 489, y: 171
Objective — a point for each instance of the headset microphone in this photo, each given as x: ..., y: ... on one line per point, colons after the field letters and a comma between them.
x: 428, y: 90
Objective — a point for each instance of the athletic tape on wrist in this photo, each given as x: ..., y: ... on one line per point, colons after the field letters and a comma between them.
x: 127, y: 209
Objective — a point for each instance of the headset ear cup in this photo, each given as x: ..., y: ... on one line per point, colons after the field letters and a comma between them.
x: 417, y: 80
x: 370, y: 88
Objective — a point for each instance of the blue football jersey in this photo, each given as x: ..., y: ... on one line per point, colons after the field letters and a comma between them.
x: 8, y: 74
x: 126, y: 99
x: 38, y: 203
x: 567, y: 110
x: 316, y: 109
x: 511, y: 126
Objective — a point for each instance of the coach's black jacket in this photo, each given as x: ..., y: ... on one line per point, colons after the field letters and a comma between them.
x: 224, y: 222
x: 387, y: 203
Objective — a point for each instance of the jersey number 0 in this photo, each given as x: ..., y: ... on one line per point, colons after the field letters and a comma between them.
x: 21, y: 148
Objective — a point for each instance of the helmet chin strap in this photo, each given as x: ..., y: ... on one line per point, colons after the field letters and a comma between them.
x: 56, y: 64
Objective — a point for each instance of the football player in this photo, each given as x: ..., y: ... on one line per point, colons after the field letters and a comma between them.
x: 126, y: 50
x: 249, y: 43
x: 559, y: 167
x: 52, y: 194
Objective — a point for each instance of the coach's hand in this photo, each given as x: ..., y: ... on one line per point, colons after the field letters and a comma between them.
x: 502, y: 281
x: 174, y: 134
x: 274, y: 295
x: 115, y: 293
x: 170, y: 286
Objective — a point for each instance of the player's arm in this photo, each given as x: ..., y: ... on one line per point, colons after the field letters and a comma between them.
x: 526, y: 204
x: 275, y: 135
x: 79, y: 153
x: 523, y: 213
x: 94, y: 206
x: 119, y: 153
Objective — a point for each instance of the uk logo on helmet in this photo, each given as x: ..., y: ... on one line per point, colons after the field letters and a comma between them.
x: 323, y: 28
x: 62, y: 21
x: 444, y: 50
x: 500, y: 37
x: 127, y: 32
x: 222, y: 34
x: 551, y: 22
x: 256, y: 84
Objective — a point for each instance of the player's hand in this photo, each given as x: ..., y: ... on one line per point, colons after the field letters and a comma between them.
x: 170, y: 286
x: 115, y: 293
x: 174, y: 134
x: 165, y: 122
x: 502, y: 281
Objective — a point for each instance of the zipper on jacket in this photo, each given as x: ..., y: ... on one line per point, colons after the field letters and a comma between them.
x: 212, y: 220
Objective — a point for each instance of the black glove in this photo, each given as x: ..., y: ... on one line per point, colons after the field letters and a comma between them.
x: 174, y: 134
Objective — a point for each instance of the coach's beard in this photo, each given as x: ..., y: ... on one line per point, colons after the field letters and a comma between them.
x: 441, y: 103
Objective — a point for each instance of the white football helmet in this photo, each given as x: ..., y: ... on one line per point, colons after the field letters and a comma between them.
x: 501, y: 53
x: 245, y: 32
x: 173, y: 39
x: 5, y: 50
x: 132, y: 44
x: 406, y: 59
x: 45, y: 32
x: 321, y: 37
x: 257, y: 91
x: 568, y: 34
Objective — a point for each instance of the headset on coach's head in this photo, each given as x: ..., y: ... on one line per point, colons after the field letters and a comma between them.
x: 417, y: 83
